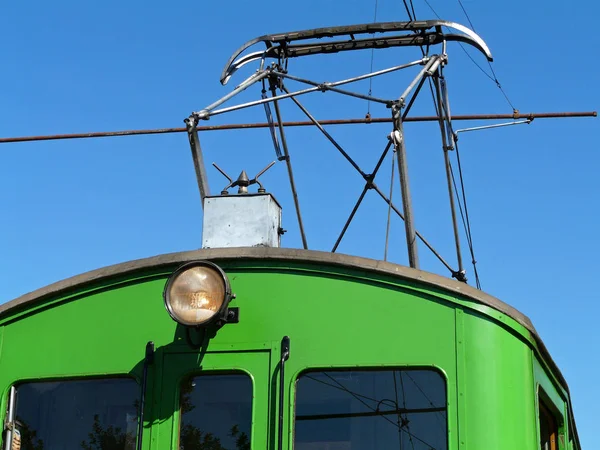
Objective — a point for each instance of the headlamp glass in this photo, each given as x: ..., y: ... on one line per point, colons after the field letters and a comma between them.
x: 196, y: 294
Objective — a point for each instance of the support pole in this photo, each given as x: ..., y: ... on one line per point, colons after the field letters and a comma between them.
x: 288, y: 163
x: 443, y: 116
x: 409, y: 226
x: 201, y: 177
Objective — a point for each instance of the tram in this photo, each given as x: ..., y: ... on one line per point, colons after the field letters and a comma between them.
x: 244, y: 344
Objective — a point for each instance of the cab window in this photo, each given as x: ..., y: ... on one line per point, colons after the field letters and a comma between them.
x: 548, y: 428
x: 216, y: 412
x: 76, y: 414
x: 370, y: 409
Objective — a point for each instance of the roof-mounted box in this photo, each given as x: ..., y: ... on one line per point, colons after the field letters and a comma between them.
x: 245, y: 220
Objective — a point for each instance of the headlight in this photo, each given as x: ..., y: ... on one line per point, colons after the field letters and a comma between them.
x: 197, y: 293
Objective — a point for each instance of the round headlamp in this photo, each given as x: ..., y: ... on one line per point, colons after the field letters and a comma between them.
x: 197, y: 294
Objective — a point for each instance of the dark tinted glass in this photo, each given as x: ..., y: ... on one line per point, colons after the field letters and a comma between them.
x: 216, y: 412
x: 548, y: 429
x: 78, y: 414
x: 371, y: 410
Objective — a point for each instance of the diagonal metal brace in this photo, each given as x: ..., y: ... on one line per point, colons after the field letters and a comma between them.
x: 191, y: 123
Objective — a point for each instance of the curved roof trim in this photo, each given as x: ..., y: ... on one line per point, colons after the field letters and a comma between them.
x: 286, y: 254
x: 280, y: 254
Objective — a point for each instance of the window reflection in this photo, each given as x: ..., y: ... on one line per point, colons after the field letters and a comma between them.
x: 216, y: 412
x: 367, y: 410
x: 78, y: 414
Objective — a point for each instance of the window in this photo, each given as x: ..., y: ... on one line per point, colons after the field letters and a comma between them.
x: 367, y: 410
x: 99, y: 414
x: 548, y: 428
x: 216, y: 412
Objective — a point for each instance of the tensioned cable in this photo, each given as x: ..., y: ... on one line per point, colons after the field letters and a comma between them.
x: 412, y: 444
x: 495, y: 77
x: 492, y: 77
x: 341, y: 389
x: 464, y: 217
x: 344, y: 388
x: 408, y: 10
x: 467, y: 230
x: 389, y: 217
x: 372, y: 59
x: 468, y: 222
x: 398, y: 413
x: 357, y: 396
x: 412, y: 6
x: 424, y: 395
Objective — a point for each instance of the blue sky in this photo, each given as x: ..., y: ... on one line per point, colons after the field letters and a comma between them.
x: 72, y: 206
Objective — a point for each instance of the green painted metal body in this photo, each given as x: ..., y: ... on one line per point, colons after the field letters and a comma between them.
x: 335, y: 315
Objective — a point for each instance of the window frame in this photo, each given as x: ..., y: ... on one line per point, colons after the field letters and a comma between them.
x: 253, y: 360
x: 363, y: 368
x: 56, y: 379
x: 207, y: 373
x: 553, y: 417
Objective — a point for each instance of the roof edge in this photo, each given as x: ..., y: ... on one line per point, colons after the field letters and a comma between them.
x: 287, y: 254
x: 267, y: 253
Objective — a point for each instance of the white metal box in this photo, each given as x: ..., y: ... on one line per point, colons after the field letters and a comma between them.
x: 245, y: 220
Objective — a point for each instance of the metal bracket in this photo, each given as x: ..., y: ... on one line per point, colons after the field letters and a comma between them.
x: 242, y: 181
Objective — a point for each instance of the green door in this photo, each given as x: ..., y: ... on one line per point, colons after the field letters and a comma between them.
x: 219, y: 401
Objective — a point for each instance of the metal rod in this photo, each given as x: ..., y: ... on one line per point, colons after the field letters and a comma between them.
x: 331, y: 139
x: 201, y: 176
x: 347, y: 224
x: 413, y: 98
x: 380, y: 162
x: 247, y: 126
x: 368, y: 185
x: 498, y: 125
x: 260, y: 102
x: 409, y: 226
x: 446, y: 104
x: 442, y: 117
x: 379, y: 72
x: 206, y: 112
x: 421, y: 74
x: 389, y: 216
x: 332, y: 87
x: 357, y: 95
x: 288, y: 164
x: 271, y: 123
x: 419, y: 235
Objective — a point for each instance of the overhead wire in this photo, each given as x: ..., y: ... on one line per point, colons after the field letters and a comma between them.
x: 389, y: 216
x: 427, y: 398
x: 357, y: 397
x: 461, y: 201
x: 492, y: 77
x: 467, y: 231
x: 466, y: 215
x: 495, y: 77
x: 372, y: 59
x: 412, y: 444
x: 398, y: 412
x: 411, y: 18
x: 412, y: 6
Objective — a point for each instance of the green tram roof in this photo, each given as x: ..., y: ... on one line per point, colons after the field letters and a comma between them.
x: 296, y: 255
